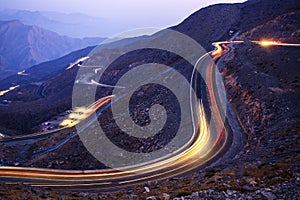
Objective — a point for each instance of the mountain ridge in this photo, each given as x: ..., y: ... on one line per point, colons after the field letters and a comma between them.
x: 22, y: 46
x: 240, y: 17
x: 73, y: 25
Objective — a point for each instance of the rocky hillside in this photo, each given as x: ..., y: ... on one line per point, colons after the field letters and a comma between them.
x: 29, y: 98
x: 216, y: 22
x: 23, y: 46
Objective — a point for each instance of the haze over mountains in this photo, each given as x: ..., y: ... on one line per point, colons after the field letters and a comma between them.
x: 74, y: 24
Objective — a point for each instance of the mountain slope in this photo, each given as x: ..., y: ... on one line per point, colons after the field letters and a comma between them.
x: 215, y: 22
x: 23, y: 46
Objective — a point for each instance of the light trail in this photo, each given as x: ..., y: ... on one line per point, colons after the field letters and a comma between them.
x: 268, y: 43
x: 75, y: 117
x: 22, y: 73
x: 8, y: 90
x: 82, y: 113
x: 77, y: 62
x: 93, y: 82
x: 221, y: 48
x: 219, y: 122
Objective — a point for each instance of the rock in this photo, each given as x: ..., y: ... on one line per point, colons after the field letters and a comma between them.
x: 267, y: 190
x: 82, y: 194
x: 268, y: 195
x: 166, y: 196
x: 129, y: 191
x: 147, y: 189
x: 253, y: 183
x: 49, y: 165
x: 210, y: 191
x: 248, y: 188
x: 224, y: 194
x: 195, y: 194
x: 151, y: 198
x: 249, y: 197
x: 230, y: 192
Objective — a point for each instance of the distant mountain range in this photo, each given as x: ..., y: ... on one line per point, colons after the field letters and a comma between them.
x: 73, y: 25
x: 22, y: 46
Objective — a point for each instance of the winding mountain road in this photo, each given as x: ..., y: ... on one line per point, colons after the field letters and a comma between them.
x: 210, y: 143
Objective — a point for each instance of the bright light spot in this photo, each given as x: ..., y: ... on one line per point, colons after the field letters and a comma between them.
x: 266, y: 43
x: 81, y: 111
x: 66, y: 123
x: 22, y: 73
x: 73, y: 116
x: 218, y: 49
x: 8, y: 90
x: 77, y: 62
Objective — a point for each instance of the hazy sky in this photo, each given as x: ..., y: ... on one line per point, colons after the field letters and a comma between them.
x: 140, y: 12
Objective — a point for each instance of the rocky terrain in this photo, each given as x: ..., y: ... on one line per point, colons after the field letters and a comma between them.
x: 262, y: 85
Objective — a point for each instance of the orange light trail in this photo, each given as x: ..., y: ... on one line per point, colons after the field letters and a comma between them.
x: 267, y: 43
x: 75, y: 117
x: 81, y: 113
x: 8, y: 90
x: 221, y: 49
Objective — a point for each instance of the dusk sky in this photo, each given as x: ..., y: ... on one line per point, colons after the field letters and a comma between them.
x: 157, y: 13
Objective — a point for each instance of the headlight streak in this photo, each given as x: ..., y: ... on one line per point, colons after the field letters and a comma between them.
x: 8, y: 90
x: 78, y: 115
x: 269, y: 43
